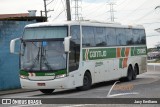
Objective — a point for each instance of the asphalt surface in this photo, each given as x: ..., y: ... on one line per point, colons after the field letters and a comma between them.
x: 146, y: 85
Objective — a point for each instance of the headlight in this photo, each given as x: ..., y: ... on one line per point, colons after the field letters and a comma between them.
x: 23, y: 77
x: 60, y: 76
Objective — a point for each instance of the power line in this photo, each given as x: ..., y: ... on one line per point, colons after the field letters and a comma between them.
x: 59, y: 14
x: 57, y: 6
x: 121, y: 3
x: 127, y: 2
x: 49, y: 2
x: 64, y: 6
x: 89, y: 5
x: 95, y: 10
x: 130, y: 14
x: 149, y: 13
x: 45, y: 8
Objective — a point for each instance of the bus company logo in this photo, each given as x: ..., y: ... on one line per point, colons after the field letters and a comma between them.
x: 98, y: 54
x: 90, y: 54
x: 6, y: 101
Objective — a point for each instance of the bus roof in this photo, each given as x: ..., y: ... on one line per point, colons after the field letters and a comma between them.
x: 85, y: 23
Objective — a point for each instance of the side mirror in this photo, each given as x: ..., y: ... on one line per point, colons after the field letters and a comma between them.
x: 12, y: 46
x: 67, y: 43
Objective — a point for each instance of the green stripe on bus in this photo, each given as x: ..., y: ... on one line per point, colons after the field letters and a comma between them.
x: 123, y: 52
x: 121, y: 63
x: 103, y: 53
x: 132, y: 51
x: 58, y: 72
x: 22, y: 72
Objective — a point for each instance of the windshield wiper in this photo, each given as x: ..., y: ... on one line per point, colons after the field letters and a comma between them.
x: 44, y: 59
x: 41, y: 59
x: 36, y: 59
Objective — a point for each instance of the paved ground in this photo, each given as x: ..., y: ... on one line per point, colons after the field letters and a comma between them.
x: 146, y: 85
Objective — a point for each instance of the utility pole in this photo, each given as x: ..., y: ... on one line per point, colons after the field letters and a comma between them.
x: 68, y: 10
x: 45, y: 8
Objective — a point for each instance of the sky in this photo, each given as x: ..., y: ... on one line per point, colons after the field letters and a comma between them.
x: 132, y: 12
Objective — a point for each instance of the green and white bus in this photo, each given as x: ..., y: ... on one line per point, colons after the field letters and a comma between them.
x: 77, y: 54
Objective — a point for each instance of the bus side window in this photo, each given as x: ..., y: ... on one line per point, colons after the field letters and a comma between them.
x: 129, y: 37
x: 142, y: 35
x: 100, y: 36
x: 121, y: 36
x: 137, y: 38
x: 74, y: 48
x: 88, y: 38
x: 110, y: 37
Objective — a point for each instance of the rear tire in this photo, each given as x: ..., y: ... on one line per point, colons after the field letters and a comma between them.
x: 135, y: 72
x: 87, y: 82
x: 129, y: 73
x: 47, y: 91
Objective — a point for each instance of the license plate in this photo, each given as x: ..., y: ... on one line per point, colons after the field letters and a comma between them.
x: 41, y: 84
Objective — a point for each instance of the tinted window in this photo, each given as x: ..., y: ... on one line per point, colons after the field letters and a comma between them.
x: 110, y: 36
x: 103, y: 36
x: 121, y: 36
x: 143, y: 37
x: 45, y: 32
x: 100, y: 36
x: 137, y: 38
x: 129, y: 37
x: 88, y: 36
x: 74, y: 48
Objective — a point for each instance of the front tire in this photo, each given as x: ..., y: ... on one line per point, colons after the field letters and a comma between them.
x: 87, y: 82
x: 47, y: 91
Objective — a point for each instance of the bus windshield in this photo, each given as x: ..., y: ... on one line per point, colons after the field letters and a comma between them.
x: 43, y: 49
x: 35, y: 33
x: 43, y: 56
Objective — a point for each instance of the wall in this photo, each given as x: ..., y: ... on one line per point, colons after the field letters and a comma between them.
x: 9, y: 63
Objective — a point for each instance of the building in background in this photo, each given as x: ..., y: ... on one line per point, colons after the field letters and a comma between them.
x: 11, y: 26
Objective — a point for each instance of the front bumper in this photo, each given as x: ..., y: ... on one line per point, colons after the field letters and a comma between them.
x: 61, y: 83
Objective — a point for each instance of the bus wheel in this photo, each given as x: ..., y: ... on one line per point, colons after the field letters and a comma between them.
x: 129, y: 73
x: 135, y: 72
x: 87, y: 82
x: 47, y: 91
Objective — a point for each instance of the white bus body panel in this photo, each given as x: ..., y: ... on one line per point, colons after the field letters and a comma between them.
x: 73, y: 80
